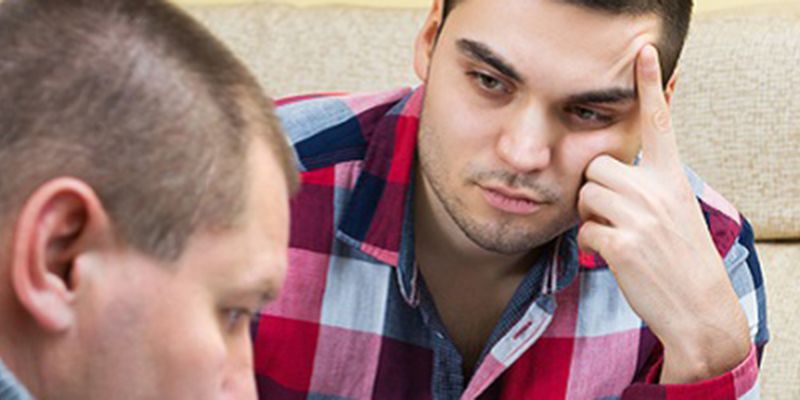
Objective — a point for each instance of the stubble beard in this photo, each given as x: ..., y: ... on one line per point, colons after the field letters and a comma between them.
x: 506, y: 234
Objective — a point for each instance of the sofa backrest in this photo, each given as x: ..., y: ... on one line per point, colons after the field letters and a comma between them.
x: 737, y: 111
x: 737, y: 108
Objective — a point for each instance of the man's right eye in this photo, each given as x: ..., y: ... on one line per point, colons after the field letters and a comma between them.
x: 488, y: 83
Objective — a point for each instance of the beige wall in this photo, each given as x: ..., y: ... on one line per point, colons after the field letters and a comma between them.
x: 701, y: 4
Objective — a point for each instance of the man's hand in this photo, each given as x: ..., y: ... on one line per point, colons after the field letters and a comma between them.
x: 646, y: 223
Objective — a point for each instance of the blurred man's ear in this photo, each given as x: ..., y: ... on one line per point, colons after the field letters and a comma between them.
x: 426, y: 40
x: 669, y: 91
x: 60, y: 222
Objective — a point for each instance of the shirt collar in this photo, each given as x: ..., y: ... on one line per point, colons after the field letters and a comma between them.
x: 373, y: 218
x: 10, y: 387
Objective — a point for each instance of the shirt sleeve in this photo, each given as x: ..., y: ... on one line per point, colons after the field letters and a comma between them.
x: 739, y: 383
x: 744, y: 270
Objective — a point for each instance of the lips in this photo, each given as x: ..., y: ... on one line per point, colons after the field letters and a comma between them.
x: 510, y: 201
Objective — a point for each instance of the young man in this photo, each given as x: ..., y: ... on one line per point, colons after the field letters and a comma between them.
x: 435, y: 243
x: 144, y: 204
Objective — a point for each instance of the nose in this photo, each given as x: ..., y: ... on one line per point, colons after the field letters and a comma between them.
x: 239, y: 379
x: 525, y: 142
x: 242, y: 387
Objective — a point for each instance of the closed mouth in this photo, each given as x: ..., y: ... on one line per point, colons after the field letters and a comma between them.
x: 512, y: 202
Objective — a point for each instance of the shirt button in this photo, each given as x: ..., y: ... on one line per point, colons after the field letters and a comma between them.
x: 439, y: 335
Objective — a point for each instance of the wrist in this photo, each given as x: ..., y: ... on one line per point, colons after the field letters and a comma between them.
x: 703, y: 356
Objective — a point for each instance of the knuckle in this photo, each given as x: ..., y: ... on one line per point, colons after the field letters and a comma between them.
x: 598, y: 164
x: 583, y: 194
x: 589, y: 236
x: 591, y: 169
x: 591, y: 193
x: 618, y: 245
x: 607, y: 161
x: 584, y: 233
x: 625, y: 247
x: 655, y: 200
x: 627, y: 258
x: 647, y: 224
x: 662, y: 121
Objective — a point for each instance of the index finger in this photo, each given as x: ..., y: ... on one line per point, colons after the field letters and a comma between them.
x: 658, y: 138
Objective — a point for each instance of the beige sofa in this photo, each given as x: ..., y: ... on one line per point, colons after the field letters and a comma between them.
x: 737, y: 111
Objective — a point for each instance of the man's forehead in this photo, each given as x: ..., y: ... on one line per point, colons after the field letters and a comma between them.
x: 575, y: 48
x: 257, y: 279
x: 230, y: 265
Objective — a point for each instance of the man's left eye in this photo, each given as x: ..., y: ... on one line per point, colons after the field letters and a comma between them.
x: 236, y: 318
x: 588, y: 115
x: 584, y: 117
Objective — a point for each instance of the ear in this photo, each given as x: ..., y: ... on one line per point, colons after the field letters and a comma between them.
x: 62, y: 220
x: 426, y: 40
x: 669, y: 91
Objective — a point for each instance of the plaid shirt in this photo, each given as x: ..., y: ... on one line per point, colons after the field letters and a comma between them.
x: 354, y: 320
x: 10, y: 387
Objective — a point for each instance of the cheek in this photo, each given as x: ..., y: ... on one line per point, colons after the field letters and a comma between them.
x: 577, y: 150
x: 192, y: 348
x: 161, y: 333
x: 196, y: 338
x: 456, y: 133
x: 581, y: 148
x: 623, y: 143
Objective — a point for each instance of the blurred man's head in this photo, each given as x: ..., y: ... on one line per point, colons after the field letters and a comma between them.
x: 521, y: 95
x: 143, y: 205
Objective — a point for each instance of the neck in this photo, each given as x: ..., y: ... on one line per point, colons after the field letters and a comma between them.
x: 18, y: 355
x: 439, y: 241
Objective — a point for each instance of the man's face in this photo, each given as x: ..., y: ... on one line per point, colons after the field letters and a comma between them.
x: 181, y: 331
x: 520, y: 96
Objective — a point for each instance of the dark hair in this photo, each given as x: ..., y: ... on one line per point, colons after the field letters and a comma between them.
x: 675, y: 16
x: 139, y: 101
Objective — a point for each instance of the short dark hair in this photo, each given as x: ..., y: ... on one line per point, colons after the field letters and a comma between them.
x: 138, y: 100
x: 675, y: 16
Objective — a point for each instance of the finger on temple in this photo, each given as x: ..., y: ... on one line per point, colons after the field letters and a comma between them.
x: 658, y: 140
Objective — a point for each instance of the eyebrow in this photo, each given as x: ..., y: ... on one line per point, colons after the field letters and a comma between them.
x: 605, y: 96
x: 264, y: 287
x: 269, y: 292
x: 482, y: 53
